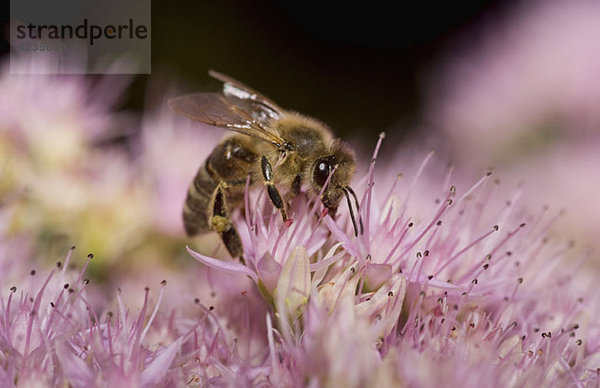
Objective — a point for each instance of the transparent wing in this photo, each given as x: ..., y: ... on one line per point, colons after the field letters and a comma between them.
x: 230, y: 112
x: 260, y: 105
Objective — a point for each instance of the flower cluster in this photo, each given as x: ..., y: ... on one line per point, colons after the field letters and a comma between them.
x: 431, y: 292
x: 447, y: 282
x: 53, y: 334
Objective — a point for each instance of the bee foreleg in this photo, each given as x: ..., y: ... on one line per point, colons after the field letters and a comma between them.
x: 267, y: 171
x: 219, y: 221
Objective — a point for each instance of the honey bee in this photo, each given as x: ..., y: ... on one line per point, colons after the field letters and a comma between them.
x: 273, y: 146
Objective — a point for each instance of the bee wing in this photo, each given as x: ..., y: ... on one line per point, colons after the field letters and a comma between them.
x: 229, y: 112
x: 259, y: 103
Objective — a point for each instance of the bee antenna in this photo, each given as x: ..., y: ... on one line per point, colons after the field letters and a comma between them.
x: 351, y: 211
x: 357, y: 208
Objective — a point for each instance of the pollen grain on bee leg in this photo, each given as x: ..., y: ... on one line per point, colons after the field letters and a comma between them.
x: 220, y: 224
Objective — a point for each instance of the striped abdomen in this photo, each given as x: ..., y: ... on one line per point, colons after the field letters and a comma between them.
x: 228, y: 165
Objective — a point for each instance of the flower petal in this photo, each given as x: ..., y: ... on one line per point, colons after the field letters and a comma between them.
x: 268, y: 271
x: 293, y: 287
x: 158, y: 368
x: 221, y: 264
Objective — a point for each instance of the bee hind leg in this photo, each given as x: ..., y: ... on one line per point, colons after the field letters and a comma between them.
x: 220, y: 222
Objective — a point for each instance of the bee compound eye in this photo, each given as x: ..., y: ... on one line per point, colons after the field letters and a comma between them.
x: 322, y: 170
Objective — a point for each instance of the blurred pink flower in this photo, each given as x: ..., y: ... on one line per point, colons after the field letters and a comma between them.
x: 41, y: 108
x: 62, y: 182
x: 524, y: 98
x: 173, y: 149
x: 529, y: 80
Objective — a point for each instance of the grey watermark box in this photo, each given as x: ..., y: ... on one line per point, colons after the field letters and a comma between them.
x: 80, y: 36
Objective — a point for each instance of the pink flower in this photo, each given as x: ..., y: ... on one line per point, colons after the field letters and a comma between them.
x: 172, y: 150
x: 523, y: 81
x: 268, y: 243
x: 430, y: 278
x: 520, y: 94
x: 52, y: 334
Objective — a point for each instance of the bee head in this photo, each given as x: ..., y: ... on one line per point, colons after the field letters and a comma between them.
x: 335, y: 171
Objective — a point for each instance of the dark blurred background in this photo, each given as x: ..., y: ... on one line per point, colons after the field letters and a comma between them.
x: 356, y: 67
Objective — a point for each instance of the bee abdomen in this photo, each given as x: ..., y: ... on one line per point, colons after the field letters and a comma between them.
x: 229, y: 164
x: 195, y: 209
